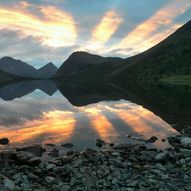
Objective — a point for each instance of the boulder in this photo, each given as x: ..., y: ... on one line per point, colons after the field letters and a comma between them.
x: 67, y: 145
x: 36, y: 150
x: 4, y: 141
x: 54, y: 153
x: 9, y: 185
x: 91, y: 155
x: 186, y: 142
x: 162, y: 157
x: 7, y: 155
x: 50, y: 179
x: 187, y: 131
x: 152, y: 139
x: 28, y: 158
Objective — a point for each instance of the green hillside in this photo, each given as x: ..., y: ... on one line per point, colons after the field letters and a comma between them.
x: 171, y: 57
x: 6, y: 78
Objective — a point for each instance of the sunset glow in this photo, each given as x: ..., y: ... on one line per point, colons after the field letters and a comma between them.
x: 55, y: 30
x: 61, y: 126
x: 52, y: 30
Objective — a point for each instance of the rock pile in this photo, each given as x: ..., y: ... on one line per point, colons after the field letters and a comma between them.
x: 122, y: 167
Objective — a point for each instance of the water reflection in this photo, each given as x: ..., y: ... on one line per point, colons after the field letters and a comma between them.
x: 20, y: 89
x: 39, y: 118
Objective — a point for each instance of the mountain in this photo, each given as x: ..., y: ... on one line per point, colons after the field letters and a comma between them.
x: 6, y: 78
x: 22, y: 88
x: 47, y: 71
x: 171, y: 57
x: 80, y: 61
x: 19, y: 68
x: 16, y: 67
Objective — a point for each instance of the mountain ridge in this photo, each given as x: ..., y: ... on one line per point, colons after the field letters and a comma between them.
x: 80, y: 60
x: 22, y: 69
x: 170, y: 57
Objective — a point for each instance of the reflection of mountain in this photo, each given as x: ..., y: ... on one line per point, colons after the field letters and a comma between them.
x: 172, y: 103
x: 20, y: 89
x: 84, y: 94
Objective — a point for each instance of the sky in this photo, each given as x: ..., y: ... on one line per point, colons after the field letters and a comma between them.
x: 40, y: 31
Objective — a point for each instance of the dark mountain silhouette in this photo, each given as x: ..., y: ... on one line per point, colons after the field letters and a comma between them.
x: 6, y: 78
x: 170, y: 57
x: 154, y: 97
x: 19, y: 68
x: 16, y: 67
x: 22, y: 88
x: 47, y: 71
x: 80, y: 61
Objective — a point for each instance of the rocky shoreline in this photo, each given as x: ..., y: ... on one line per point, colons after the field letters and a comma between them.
x: 110, y: 168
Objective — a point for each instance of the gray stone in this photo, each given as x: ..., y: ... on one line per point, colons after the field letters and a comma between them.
x: 186, y: 142
x: 37, y: 150
x: 9, y: 184
x: 114, y: 181
x: 187, y: 131
x: 67, y: 145
x: 54, y: 153
x: 50, y: 179
x: 185, y: 152
x: 50, y: 166
x: 65, y: 188
x: 162, y: 157
x: 69, y: 153
x: 72, y: 181
x: 7, y: 155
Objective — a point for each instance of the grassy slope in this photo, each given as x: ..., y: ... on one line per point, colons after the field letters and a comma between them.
x: 6, y: 78
x: 171, y: 57
x: 179, y: 80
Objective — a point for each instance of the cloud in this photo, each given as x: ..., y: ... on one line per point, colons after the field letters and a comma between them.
x: 103, y: 31
x: 143, y: 34
x: 30, y: 49
x: 56, y: 28
x: 38, y: 31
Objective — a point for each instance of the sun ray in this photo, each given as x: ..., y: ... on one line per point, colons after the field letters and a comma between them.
x: 145, y: 35
x: 103, y: 31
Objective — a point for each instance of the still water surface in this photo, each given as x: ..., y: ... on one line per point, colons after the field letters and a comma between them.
x: 36, y: 112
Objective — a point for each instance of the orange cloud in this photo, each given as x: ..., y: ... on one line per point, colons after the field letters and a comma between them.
x: 144, y: 32
x: 56, y: 29
x: 51, y: 124
x: 103, y: 31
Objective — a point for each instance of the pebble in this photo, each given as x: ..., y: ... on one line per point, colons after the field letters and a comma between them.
x: 121, y: 167
x: 50, y: 180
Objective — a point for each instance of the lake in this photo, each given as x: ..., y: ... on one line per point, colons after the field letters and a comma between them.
x: 44, y: 112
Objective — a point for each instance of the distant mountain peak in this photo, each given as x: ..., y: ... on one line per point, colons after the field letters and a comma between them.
x: 49, y: 65
x: 81, y: 60
x: 20, y: 68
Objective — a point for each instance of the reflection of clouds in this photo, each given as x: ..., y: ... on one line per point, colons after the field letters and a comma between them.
x: 30, y: 107
x: 100, y: 123
x: 139, y: 119
x: 58, y: 124
x: 37, y: 118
